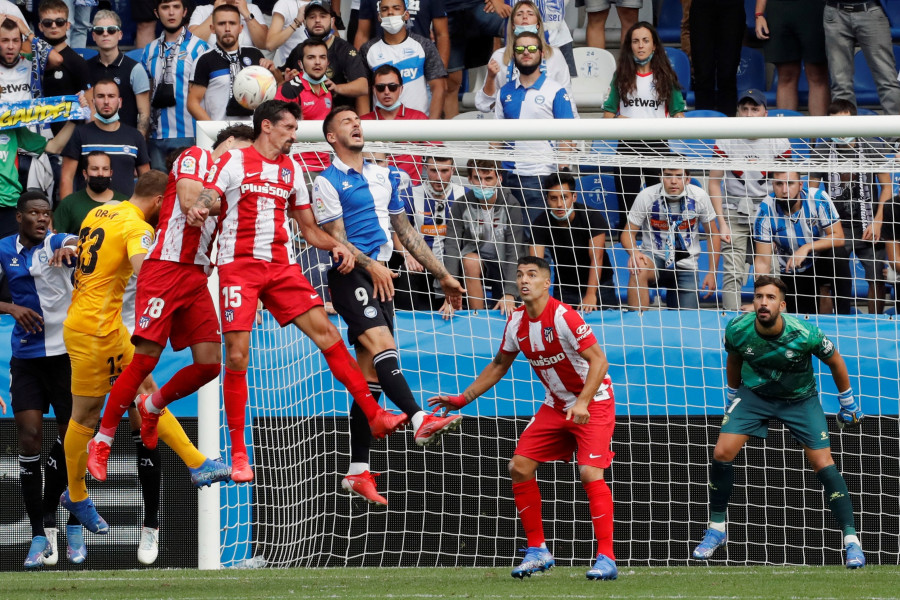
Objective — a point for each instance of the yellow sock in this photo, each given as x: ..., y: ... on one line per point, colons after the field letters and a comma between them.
x: 77, y: 438
x: 173, y: 435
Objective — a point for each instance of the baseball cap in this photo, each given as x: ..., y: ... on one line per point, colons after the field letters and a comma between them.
x: 322, y: 4
x: 755, y: 95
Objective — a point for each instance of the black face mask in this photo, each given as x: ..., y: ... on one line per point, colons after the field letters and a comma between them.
x: 99, y: 184
x: 527, y: 69
x: 54, y: 41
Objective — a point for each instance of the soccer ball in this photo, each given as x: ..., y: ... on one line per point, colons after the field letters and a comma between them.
x: 254, y: 85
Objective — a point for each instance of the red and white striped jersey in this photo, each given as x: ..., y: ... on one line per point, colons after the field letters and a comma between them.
x: 552, y: 344
x: 175, y: 240
x: 256, y: 195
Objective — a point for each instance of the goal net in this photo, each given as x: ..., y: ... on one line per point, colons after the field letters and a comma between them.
x: 451, y: 504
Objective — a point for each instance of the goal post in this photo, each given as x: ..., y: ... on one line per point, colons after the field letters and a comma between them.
x: 452, y: 505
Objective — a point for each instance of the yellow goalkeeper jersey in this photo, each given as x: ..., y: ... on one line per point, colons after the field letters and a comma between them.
x: 109, y: 236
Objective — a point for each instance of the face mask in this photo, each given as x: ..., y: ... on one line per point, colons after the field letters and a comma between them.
x: 565, y: 217
x: 843, y: 141
x: 393, y: 24
x: 318, y: 81
x: 390, y: 108
x: 55, y: 41
x: 484, y: 192
x: 324, y: 38
x: 527, y: 69
x: 645, y: 61
x: 98, y: 183
x: 432, y: 191
x: 107, y: 120
x: 525, y: 29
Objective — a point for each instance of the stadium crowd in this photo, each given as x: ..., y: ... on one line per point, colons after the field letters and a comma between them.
x: 453, y: 229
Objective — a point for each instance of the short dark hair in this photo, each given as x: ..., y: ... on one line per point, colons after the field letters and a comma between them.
x: 559, y: 180
x: 106, y: 81
x: 9, y: 25
x: 482, y: 164
x: 48, y: 5
x: 238, y: 132
x: 388, y: 70
x: 226, y: 8
x: 158, y: 2
x: 842, y: 105
x: 28, y: 196
x: 96, y: 153
x: 150, y: 184
x: 764, y: 280
x: 326, y: 123
x: 309, y: 43
x: 273, y: 111
x: 537, y: 261
x: 783, y: 165
x: 437, y: 159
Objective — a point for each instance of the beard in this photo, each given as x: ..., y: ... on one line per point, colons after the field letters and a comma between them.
x: 528, y: 69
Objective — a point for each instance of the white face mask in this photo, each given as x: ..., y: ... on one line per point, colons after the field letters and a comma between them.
x: 843, y: 141
x: 393, y: 24
x: 563, y: 217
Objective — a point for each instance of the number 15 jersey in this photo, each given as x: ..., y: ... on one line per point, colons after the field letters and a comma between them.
x: 109, y: 236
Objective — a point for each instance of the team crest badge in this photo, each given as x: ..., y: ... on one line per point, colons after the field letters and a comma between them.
x: 229, y: 315
x: 144, y: 322
x: 286, y: 175
x: 548, y: 334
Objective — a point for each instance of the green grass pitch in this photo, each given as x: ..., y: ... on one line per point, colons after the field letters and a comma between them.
x: 711, y: 583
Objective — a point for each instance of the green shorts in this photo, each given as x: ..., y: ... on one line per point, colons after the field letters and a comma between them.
x: 795, y: 31
x: 749, y: 414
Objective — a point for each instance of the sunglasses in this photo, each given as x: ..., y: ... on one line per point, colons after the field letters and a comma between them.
x: 110, y: 29
x: 380, y: 87
x: 531, y: 49
x: 48, y: 23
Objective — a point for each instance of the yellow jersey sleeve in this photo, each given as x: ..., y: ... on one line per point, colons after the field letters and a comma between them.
x: 108, y: 238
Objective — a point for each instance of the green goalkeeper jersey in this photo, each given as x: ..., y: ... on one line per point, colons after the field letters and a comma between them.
x: 778, y: 367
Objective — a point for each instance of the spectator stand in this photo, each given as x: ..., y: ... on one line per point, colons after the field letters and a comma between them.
x: 596, y: 68
x: 682, y: 66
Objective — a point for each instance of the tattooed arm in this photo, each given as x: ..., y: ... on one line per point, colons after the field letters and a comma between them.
x: 416, y: 246
x: 206, y: 202
x: 382, y: 277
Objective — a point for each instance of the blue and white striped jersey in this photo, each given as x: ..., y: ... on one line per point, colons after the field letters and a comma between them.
x: 175, y: 121
x: 44, y: 289
x: 788, y: 232
x: 364, y: 201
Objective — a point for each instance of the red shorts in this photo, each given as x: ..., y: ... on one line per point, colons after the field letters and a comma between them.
x: 550, y: 437
x: 172, y: 304
x: 283, y: 289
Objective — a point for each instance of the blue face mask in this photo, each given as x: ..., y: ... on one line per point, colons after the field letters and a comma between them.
x: 843, y: 141
x: 390, y: 108
x: 645, y: 61
x: 318, y: 81
x: 525, y: 29
x: 483, y: 192
x: 107, y: 120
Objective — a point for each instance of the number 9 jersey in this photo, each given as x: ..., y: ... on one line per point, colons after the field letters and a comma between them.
x: 109, y: 236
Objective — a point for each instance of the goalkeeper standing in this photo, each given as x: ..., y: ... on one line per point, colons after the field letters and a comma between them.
x: 578, y: 413
x: 770, y: 375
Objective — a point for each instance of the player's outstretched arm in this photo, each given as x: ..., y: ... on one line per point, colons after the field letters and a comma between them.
x: 382, y: 277
x: 314, y: 234
x: 415, y: 245
x: 598, y: 366
x: 487, y: 379
x: 850, y: 413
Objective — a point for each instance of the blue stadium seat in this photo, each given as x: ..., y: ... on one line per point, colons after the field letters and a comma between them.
x: 695, y: 148
x: 863, y: 83
x: 682, y: 66
x: 669, y: 22
x: 86, y: 53
x: 802, y: 88
x: 598, y: 191
x: 135, y: 53
x: 751, y: 70
x: 750, y: 10
x: 893, y: 12
x: 865, y: 111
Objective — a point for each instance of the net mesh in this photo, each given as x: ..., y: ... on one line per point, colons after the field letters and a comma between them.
x: 452, y: 505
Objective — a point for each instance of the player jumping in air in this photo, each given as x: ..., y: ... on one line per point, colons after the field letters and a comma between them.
x: 259, y: 188
x: 173, y: 295
x: 578, y: 413
x: 770, y: 375
x: 358, y: 203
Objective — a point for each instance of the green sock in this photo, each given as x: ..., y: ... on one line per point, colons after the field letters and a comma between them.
x: 721, y: 480
x: 838, y: 498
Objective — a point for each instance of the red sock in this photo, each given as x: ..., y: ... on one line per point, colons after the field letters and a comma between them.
x: 124, y: 390
x: 601, y: 504
x: 528, y: 503
x: 346, y: 370
x: 234, y: 389
x: 185, y: 382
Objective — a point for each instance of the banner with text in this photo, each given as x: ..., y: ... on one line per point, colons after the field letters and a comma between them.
x: 40, y: 111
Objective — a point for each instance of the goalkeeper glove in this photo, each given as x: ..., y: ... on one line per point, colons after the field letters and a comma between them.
x: 850, y: 414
